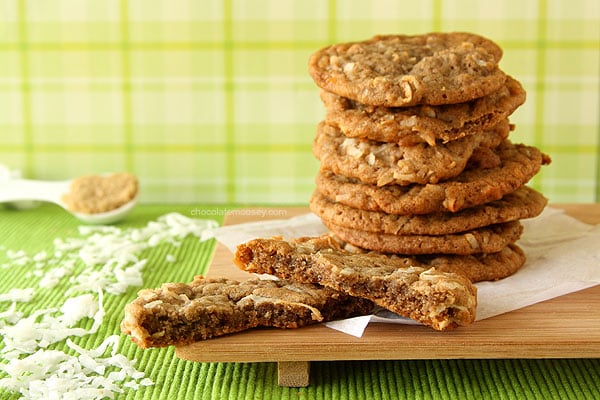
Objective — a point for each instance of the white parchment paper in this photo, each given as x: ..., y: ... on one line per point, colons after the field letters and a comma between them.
x: 563, y: 256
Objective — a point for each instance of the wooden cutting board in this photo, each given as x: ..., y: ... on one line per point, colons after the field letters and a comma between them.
x: 563, y: 327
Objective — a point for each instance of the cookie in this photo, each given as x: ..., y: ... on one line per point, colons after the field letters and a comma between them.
x: 475, y: 267
x: 520, y: 204
x: 518, y: 164
x: 408, y: 126
x: 401, y: 70
x: 179, y: 313
x: 381, y: 163
x: 488, y: 239
x: 438, y: 299
x: 478, y: 267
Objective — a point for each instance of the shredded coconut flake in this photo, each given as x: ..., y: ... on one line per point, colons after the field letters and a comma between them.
x: 41, y: 256
x: 51, y: 278
x: 472, y: 240
x: 44, y: 327
x: 104, y: 259
x: 54, y: 374
x: 11, y: 315
x: 77, y: 308
x: 111, y: 256
x: 18, y: 295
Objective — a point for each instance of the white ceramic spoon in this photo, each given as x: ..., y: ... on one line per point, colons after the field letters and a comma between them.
x: 14, y: 190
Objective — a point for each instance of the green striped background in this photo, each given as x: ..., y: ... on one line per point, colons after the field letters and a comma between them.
x: 210, y: 102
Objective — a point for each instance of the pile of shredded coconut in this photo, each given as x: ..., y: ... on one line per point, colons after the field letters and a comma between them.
x: 104, y: 259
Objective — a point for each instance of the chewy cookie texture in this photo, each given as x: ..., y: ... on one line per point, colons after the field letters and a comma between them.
x: 179, y: 313
x: 389, y: 163
x: 402, y: 70
x: 488, y: 239
x: 414, y: 149
x: 442, y: 300
x: 517, y: 165
x: 423, y: 123
x: 522, y: 203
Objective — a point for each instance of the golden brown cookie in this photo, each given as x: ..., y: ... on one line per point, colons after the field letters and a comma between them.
x: 439, y: 299
x: 408, y: 126
x: 520, y: 204
x: 518, y: 164
x: 179, y: 313
x: 476, y: 267
x: 479, y: 267
x: 488, y: 239
x: 381, y: 163
x: 402, y: 70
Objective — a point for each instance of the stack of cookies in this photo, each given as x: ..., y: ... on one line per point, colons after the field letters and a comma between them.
x: 415, y: 156
x: 416, y: 164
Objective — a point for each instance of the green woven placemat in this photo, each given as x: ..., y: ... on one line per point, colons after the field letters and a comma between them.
x: 35, y: 230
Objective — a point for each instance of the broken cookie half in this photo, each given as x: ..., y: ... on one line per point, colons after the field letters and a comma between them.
x: 178, y: 313
x: 442, y: 300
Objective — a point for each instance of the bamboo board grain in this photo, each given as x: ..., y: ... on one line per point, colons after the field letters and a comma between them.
x: 563, y: 327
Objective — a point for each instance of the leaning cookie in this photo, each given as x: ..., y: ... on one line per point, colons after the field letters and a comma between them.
x: 475, y: 267
x: 401, y: 70
x: 439, y: 299
x: 521, y: 204
x: 479, y: 267
x: 518, y: 164
x: 408, y: 126
x: 381, y: 163
x: 488, y: 239
x: 179, y: 313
